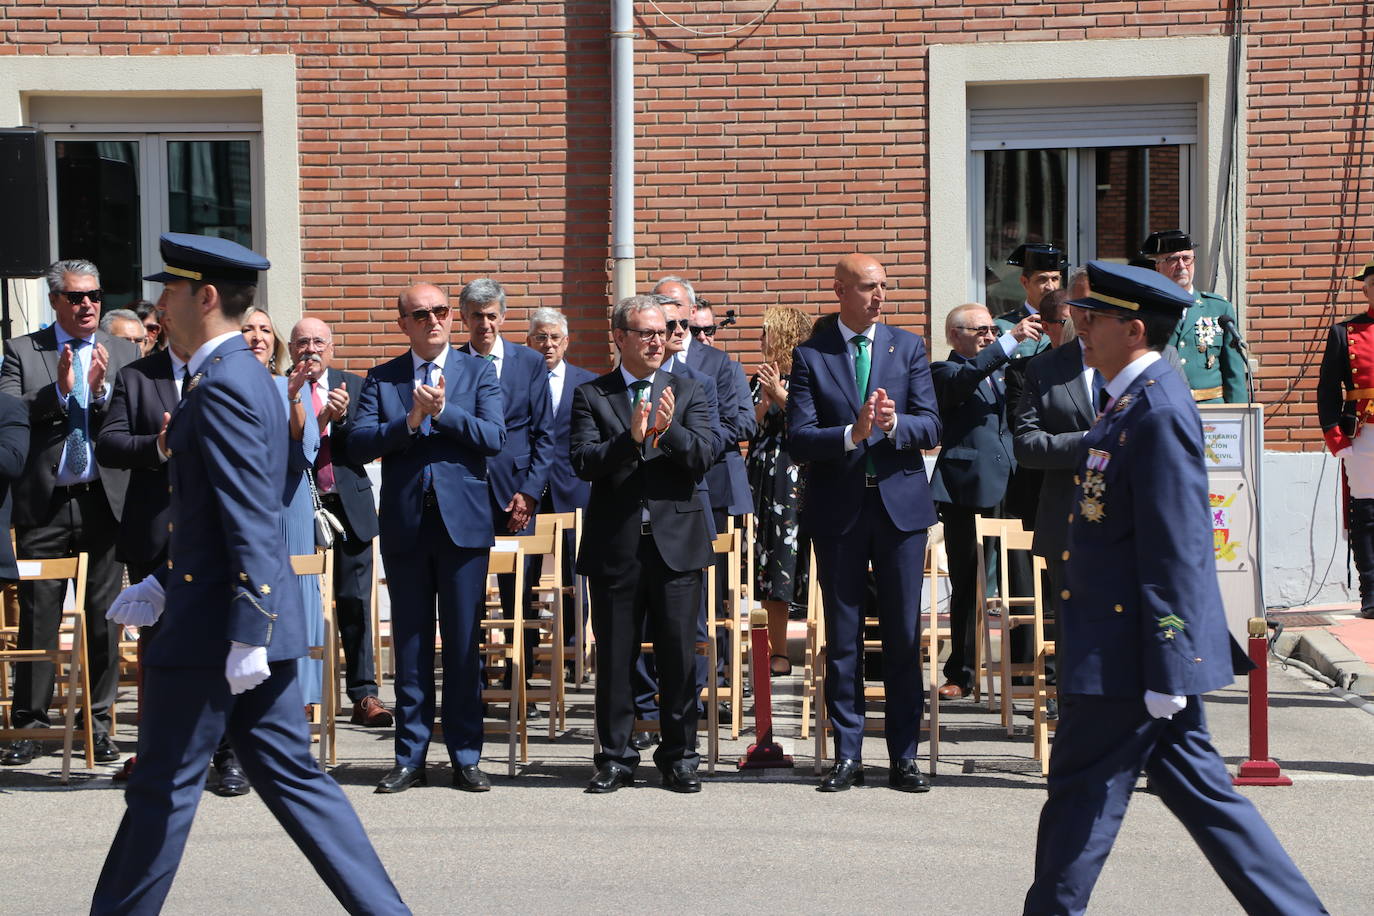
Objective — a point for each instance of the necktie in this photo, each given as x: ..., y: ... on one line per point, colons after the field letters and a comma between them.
x: 1100, y: 396
x: 185, y: 377
x: 553, y: 397
x: 639, y: 393
x: 77, y: 448
x: 427, y: 474
x: 863, y: 362
x: 324, y: 465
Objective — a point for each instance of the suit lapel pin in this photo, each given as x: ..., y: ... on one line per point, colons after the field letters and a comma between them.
x: 195, y: 380
x: 892, y: 349
x: 1122, y: 403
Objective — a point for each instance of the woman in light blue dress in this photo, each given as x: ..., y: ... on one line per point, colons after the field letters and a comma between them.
x: 298, y: 515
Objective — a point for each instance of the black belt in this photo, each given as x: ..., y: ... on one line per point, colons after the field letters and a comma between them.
x: 76, y: 489
x: 870, y: 480
x: 645, y: 529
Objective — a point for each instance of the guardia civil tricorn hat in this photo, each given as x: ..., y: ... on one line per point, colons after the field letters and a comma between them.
x: 1037, y: 256
x: 1368, y: 269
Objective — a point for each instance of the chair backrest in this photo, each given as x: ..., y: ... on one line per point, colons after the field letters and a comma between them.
x: 308, y: 564
x: 503, y: 555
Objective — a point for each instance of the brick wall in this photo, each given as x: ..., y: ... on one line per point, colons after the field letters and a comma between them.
x: 473, y: 139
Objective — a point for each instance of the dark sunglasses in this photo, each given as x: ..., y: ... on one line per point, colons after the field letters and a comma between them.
x: 702, y: 330
x: 75, y: 298
x: 676, y: 324
x: 440, y: 312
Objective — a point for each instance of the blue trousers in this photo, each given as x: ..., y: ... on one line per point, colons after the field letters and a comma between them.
x: 185, y: 711
x: 1100, y: 747
x: 437, y: 581
x: 898, y: 559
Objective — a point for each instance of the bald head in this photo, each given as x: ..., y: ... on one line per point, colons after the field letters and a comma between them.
x: 861, y: 287
x: 311, y: 340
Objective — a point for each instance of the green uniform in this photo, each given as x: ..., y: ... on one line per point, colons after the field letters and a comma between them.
x: 1216, y: 372
x: 1008, y: 320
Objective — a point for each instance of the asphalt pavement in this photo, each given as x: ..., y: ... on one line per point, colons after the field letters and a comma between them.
x: 759, y: 841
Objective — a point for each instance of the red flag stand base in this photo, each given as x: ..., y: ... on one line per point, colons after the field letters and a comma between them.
x: 764, y: 753
x: 1259, y: 770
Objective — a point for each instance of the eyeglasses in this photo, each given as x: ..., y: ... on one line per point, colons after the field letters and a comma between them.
x: 75, y: 297
x: 1045, y: 320
x: 978, y: 329
x: 647, y: 334
x: 547, y: 338
x: 702, y: 330
x: 676, y: 324
x: 1184, y: 259
x: 420, y: 316
x: 152, y: 328
x: 319, y: 342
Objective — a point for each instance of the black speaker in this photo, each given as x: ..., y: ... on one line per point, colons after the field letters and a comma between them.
x: 24, y: 233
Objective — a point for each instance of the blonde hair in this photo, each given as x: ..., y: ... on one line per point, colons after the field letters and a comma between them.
x: 785, y: 327
x: 277, y: 363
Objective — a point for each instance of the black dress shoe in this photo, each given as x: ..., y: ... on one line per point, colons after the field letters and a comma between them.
x: 609, y: 778
x: 845, y: 773
x: 401, y: 778
x: 18, y: 753
x: 106, y: 751
x: 642, y: 741
x: 1367, y: 613
x: 232, y: 781
x: 906, y: 776
x: 682, y: 777
x: 532, y: 713
x: 471, y: 779
x: 723, y: 713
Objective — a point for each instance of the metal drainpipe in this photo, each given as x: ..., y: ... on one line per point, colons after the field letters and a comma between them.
x: 622, y: 149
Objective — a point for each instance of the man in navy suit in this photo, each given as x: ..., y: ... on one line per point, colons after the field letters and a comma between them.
x: 520, y: 472
x: 233, y: 627
x: 346, y: 491
x: 860, y: 409
x: 642, y: 437
x: 1142, y: 632
x: 564, y: 491
x: 434, y: 416
x: 974, y: 468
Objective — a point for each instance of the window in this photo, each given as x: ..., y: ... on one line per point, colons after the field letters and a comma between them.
x: 114, y: 194
x: 1094, y: 180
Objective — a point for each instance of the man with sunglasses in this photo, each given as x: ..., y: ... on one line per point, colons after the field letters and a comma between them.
x: 702, y: 326
x: 974, y: 468
x: 1215, y: 369
x: 66, y: 502
x: 433, y: 415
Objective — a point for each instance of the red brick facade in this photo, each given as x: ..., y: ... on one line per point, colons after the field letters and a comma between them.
x: 449, y: 140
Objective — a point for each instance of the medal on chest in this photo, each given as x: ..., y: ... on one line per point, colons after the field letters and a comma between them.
x: 1206, y: 331
x: 1094, y: 486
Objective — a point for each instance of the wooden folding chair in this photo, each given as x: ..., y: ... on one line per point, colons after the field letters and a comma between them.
x: 552, y: 593
x: 502, y: 648
x: 1014, y: 611
x: 546, y: 634
x: 732, y: 544
x: 1044, y: 691
x: 813, y: 659
x: 321, y: 565
x: 70, y: 663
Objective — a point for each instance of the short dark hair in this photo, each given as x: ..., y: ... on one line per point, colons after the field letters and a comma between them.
x: 1158, y: 329
x: 235, y: 299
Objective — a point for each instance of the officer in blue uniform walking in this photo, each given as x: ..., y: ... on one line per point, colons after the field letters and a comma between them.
x: 1142, y: 633
x: 232, y: 625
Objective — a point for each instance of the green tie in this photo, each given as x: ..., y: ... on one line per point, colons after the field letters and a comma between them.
x: 862, y: 363
x: 641, y: 391
x: 490, y: 357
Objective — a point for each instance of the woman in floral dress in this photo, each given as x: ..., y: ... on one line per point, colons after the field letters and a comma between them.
x: 780, y: 568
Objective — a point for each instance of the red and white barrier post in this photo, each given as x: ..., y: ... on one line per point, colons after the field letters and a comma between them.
x: 1259, y: 770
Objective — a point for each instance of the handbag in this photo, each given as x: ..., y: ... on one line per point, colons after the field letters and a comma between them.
x: 327, y: 527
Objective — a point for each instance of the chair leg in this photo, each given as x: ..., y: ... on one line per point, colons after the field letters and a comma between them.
x: 821, y: 721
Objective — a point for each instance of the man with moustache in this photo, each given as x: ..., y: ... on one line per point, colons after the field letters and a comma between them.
x: 433, y: 415
x: 346, y: 491
x: 66, y: 502
x: 860, y: 409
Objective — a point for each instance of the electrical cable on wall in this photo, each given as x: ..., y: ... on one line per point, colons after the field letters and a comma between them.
x: 716, y: 34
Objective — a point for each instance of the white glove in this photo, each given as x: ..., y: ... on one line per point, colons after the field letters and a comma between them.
x: 1163, y: 706
x: 139, y: 605
x: 246, y: 667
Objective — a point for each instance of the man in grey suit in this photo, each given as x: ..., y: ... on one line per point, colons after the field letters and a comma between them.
x: 66, y: 503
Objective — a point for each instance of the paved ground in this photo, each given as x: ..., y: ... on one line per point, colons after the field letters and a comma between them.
x: 747, y: 843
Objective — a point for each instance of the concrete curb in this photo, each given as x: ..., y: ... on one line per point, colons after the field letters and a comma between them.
x: 1329, y: 656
